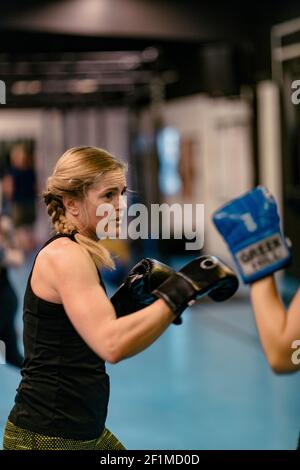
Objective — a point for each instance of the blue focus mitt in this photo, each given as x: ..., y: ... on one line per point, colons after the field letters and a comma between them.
x: 250, y: 225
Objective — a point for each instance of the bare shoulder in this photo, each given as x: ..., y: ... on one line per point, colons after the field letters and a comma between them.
x: 64, y: 256
x: 61, y: 247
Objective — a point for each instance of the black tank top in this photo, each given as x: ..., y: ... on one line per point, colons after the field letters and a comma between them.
x: 64, y: 389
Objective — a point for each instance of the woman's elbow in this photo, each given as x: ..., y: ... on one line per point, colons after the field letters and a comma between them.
x: 280, y: 364
x: 113, y: 357
x: 111, y: 351
x: 278, y: 368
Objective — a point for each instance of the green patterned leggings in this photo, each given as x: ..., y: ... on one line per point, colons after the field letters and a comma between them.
x: 16, y: 438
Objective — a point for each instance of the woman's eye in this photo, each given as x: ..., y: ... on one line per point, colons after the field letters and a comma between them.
x: 109, y: 195
x: 124, y: 191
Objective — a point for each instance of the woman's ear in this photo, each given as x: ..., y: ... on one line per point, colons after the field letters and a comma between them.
x: 71, y: 205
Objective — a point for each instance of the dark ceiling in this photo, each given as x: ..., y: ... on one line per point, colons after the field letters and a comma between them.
x: 112, y: 52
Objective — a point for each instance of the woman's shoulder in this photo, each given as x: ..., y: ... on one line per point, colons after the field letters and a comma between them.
x: 61, y: 262
x: 62, y: 251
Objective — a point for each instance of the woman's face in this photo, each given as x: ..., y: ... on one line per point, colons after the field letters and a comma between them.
x: 101, y: 211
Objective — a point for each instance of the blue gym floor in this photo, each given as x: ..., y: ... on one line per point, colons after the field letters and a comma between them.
x: 202, y: 385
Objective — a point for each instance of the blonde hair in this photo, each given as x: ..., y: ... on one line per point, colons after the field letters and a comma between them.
x: 77, y: 170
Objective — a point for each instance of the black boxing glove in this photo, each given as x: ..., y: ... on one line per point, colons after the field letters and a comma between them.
x: 136, y: 291
x: 150, y: 279
x: 206, y: 275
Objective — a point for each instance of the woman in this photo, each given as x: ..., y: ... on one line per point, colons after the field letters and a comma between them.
x: 251, y: 226
x: 279, y: 329
x: 70, y: 325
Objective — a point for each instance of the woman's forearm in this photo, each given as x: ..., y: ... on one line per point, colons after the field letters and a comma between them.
x: 133, y: 333
x: 270, y: 316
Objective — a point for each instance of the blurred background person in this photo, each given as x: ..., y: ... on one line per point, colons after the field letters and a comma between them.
x: 10, y: 256
x: 19, y: 186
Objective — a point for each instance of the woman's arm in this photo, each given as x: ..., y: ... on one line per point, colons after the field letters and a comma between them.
x: 277, y: 328
x: 73, y: 275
